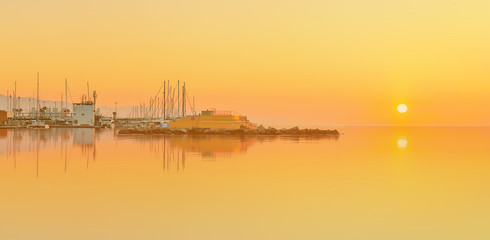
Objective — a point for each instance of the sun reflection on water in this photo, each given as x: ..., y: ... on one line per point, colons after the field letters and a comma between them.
x: 402, y: 142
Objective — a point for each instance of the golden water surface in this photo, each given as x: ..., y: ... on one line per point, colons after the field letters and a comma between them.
x: 369, y: 183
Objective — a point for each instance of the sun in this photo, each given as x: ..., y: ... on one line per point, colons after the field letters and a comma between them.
x: 402, y: 108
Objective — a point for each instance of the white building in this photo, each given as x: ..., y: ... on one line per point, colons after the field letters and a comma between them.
x: 83, y: 114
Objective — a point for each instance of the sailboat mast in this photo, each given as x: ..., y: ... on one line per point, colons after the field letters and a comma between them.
x: 164, y: 101
x: 183, y: 100
x: 37, y: 99
x: 178, y: 97
x: 168, y: 96
x: 66, y: 95
x: 15, y: 99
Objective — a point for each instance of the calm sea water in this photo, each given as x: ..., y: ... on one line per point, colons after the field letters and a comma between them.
x: 370, y: 183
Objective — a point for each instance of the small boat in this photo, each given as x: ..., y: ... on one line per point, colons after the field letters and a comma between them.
x: 38, y: 124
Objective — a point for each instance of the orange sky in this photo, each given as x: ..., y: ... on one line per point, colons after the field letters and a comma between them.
x: 279, y: 62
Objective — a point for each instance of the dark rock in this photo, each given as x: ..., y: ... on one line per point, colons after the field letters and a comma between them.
x: 237, y: 132
x: 293, y: 130
x: 261, y: 129
x: 240, y: 132
x: 243, y: 127
x: 124, y: 131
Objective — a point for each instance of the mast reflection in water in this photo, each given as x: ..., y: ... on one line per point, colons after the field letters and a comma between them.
x: 75, y: 144
x: 91, y: 184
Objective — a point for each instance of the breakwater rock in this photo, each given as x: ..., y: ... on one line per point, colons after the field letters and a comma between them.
x: 207, y: 131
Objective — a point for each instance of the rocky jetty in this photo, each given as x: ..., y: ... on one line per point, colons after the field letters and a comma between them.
x: 295, y: 131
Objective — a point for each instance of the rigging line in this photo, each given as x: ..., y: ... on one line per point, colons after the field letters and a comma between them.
x: 147, y: 111
x: 71, y: 98
x: 173, y: 102
x: 150, y: 107
x: 159, y: 90
x: 188, y: 100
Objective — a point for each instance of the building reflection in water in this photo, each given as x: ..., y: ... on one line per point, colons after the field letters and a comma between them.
x: 173, y: 150
x: 84, y: 138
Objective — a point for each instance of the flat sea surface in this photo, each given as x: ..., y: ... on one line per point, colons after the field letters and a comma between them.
x: 369, y: 183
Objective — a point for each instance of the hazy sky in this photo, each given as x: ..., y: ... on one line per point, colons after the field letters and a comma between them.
x: 278, y: 62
